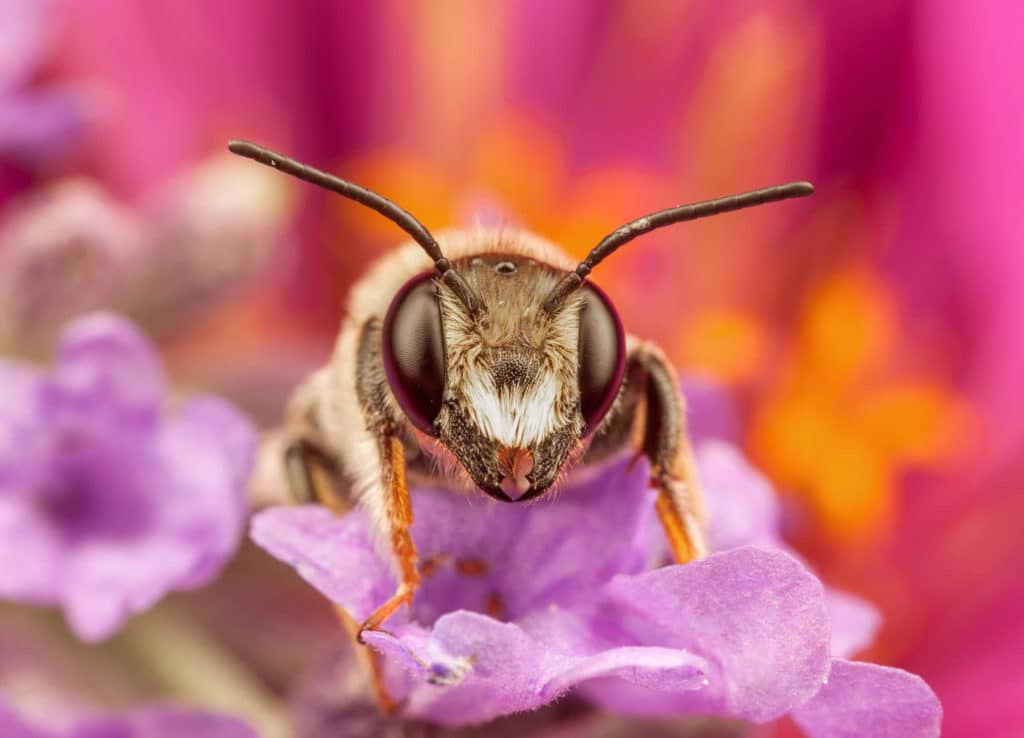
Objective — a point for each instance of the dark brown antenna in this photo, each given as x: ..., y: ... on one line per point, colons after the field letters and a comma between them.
x: 397, y: 215
x: 623, y: 235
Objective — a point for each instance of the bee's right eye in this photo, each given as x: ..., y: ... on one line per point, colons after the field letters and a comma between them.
x: 414, y: 351
x: 602, y: 355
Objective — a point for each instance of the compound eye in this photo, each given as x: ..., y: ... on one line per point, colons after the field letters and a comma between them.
x: 602, y: 355
x: 414, y: 351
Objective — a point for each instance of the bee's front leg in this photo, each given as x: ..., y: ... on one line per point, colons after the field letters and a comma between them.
x: 368, y: 463
x: 376, y: 460
x: 665, y: 442
x: 651, y: 409
x: 398, y: 520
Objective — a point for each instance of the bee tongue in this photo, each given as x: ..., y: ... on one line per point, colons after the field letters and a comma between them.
x: 520, y: 463
x: 514, y: 487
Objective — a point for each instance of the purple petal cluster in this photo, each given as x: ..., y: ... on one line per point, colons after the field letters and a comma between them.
x: 523, y: 604
x: 152, y: 722
x: 107, y: 502
x: 38, y: 124
x: 72, y: 248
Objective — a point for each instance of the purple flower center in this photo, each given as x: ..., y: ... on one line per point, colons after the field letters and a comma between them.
x: 106, y: 501
x: 463, y: 584
x: 87, y: 495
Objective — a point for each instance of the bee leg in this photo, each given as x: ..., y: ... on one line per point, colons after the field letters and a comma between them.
x: 398, y: 520
x: 314, y: 476
x: 664, y: 441
x: 372, y: 664
x: 398, y: 512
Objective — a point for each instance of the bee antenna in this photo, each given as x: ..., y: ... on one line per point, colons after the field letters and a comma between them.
x: 397, y: 215
x: 624, y: 234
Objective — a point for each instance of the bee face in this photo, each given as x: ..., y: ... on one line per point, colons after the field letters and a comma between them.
x: 510, y: 389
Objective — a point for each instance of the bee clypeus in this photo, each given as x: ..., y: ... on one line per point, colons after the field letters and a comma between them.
x: 486, y: 359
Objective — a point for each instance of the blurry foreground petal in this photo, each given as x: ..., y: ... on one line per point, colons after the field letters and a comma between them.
x: 869, y: 700
x: 164, y: 722
x: 11, y: 726
x: 151, y: 722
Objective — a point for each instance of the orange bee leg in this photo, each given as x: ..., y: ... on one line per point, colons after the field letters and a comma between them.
x: 664, y: 441
x: 399, y: 520
x: 313, y: 475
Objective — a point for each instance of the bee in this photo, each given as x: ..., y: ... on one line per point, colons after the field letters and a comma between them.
x: 488, y: 359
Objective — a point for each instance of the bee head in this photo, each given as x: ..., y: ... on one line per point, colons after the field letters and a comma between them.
x: 508, y: 387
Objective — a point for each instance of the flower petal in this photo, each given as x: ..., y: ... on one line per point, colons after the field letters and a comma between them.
x: 577, y: 646
x: 150, y: 722
x: 42, y: 126
x: 870, y: 700
x: 334, y: 554
x: 205, y: 503
x: 854, y: 622
x: 32, y: 555
x: 711, y: 410
x: 408, y: 647
x: 106, y: 376
x: 470, y: 667
x: 742, y: 509
x: 648, y: 667
x: 550, y: 552
x: 527, y: 556
x: 109, y: 581
x: 22, y: 441
x: 115, y: 508
x: 177, y: 521
x: 756, y: 614
x: 163, y: 722
x: 478, y: 668
x: 11, y: 726
x: 172, y: 722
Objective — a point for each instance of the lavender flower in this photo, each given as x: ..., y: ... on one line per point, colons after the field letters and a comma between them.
x: 66, y: 251
x: 106, y: 502
x: 334, y: 699
x: 72, y: 248
x: 153, y: 722
x: 572, y: 595
x: 38, y: 125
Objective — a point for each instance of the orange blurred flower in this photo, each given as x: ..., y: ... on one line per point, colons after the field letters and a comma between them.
x: 843, y: 422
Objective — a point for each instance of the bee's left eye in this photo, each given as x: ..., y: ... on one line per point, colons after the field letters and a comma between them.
x: 414, y: 351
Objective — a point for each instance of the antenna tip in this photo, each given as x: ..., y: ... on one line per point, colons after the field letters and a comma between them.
x: 241, y: 147
x: 801, y: 189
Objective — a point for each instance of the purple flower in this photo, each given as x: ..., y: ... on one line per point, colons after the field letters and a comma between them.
x: 72, y: 248
x: 66, y: 251
x: 38, y: 125
x: 572, y: 595
x: 106, y: 501
x: 153, y: 722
